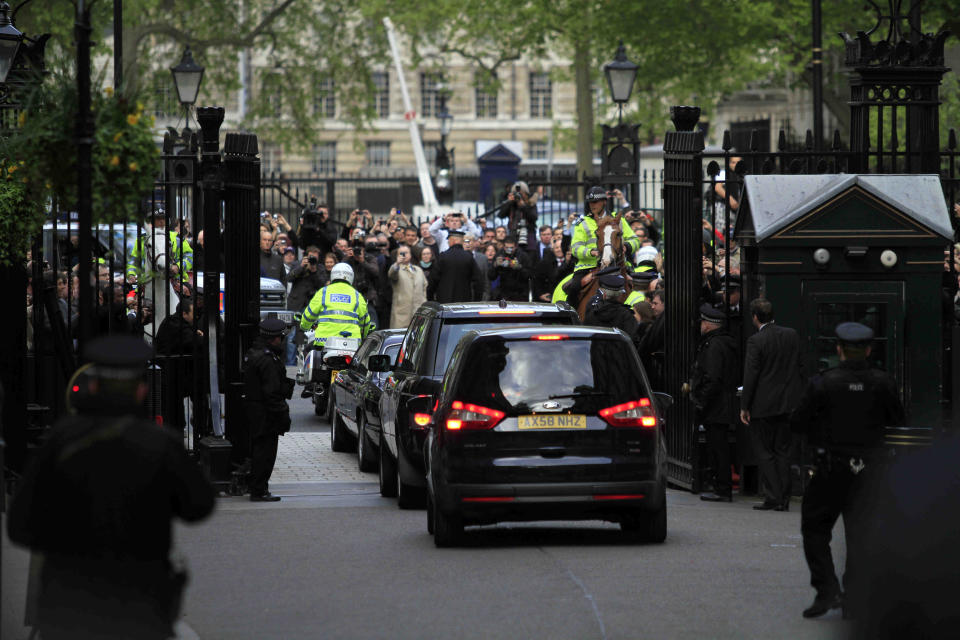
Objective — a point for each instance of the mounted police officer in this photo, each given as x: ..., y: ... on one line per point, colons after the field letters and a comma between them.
x: 266, y: 390
x: 98, y: 501
x: 608, y: 309
x: 181, y: 253
x: 844, y: 411
x: 336, y: 308
x: 584, y: 242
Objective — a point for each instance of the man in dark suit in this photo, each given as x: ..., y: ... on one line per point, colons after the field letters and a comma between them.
x: 543, y: 247
x: 550, y: 270
x: 772, y: 386
x: 456, y: 276
x: 470, y: 245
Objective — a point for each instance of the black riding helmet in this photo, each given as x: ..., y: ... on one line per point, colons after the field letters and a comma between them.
x: 594, y: 194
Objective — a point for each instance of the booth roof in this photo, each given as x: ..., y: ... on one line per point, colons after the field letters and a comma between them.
x: 778, y: 200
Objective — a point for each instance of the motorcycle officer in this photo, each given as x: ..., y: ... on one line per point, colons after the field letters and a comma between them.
x: 336, y: 308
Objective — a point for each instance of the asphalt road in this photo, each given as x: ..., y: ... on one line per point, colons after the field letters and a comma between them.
x: 334, y: 560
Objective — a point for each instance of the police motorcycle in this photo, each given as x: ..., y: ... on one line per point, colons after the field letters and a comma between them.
x: 321, y: 366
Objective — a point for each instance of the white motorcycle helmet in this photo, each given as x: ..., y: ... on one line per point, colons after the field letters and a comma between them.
x: 342, y: 271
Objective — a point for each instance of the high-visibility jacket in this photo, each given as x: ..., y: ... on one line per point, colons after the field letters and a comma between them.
x: 634, y: 297
x: 335, y: 308
x: 181, y: 255
x: 585, y: 239
x: 559, y: 295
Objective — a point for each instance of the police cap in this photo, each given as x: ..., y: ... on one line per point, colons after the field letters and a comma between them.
x: 711, y: 314
x: 644, y: 274
x: 117, y: 356
x: 612, y: 281
x: 272, y: 327
x: 456, y: 232
x: 854, y: 333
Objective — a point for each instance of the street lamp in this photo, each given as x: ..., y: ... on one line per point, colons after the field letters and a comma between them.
x: 10, y: 38
x: 620, y: 74
x: 187, y: 77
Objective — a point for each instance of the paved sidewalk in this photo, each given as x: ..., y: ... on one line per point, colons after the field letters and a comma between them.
x: 307, y: 457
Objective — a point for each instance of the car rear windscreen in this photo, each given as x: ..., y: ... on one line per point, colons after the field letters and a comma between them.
x: 516, y: 375
x: 453, y: 330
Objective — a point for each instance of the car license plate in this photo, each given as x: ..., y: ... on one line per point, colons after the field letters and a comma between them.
x: 553, y: 421
x: 333, y: 376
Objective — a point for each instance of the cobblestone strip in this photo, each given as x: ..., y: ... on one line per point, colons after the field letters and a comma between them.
x: 307, y: 457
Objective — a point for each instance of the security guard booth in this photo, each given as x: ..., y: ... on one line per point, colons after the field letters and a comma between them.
x: 827, y: 249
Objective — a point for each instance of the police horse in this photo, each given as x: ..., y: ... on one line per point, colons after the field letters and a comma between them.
x: 611, y: 259
x: 157, y: 283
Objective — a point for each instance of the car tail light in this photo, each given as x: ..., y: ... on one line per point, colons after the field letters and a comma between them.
x: 636, y: 413
x: 471, y: 416
x: 550, y: 336
x: 419, y: 420
x: 618, y: 496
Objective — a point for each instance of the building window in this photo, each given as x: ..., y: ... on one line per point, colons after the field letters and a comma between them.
x: 486, y: 102
x: 271, y: 158
x: 381, y: 93
x: 272, y: 90
x: 536, y: 150
x: 325, y: 99
x: 378, y: 153
x: 165, y: 103
x: 430, y: 84
x: 541, y: 95
x: 325, y: 157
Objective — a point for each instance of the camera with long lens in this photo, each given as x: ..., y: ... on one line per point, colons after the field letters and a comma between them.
x: 311, y: 216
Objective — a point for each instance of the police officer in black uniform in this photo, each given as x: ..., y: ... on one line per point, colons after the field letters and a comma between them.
x: 608, y: 310
x: 266, y: 389
x: 98, y: 501
x: 713, y: 386
x: 844, y: 411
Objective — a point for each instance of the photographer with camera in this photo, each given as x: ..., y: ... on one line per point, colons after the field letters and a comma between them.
x: 316, y: 227
x: 513, y: 268
x: 522, y: 213
x: 455, y: 221
x: 304, y: 280
x: 366, y: 272
x: 360, y: 219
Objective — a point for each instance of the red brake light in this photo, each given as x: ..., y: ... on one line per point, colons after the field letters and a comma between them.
x: 421, y: 419
x: 506, y: 312
x: 348, y: 359
x: 76, y: 388
x: 618, y: 496
x: 472, y: 416
x: 550, y: 336
x: 636, y: 413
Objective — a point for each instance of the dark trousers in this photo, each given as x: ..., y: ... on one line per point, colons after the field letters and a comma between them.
x: 718, y: 456
x: 574, y: 286
x: 262, y: 458
x: 773, y: 441
x: 830, y: 494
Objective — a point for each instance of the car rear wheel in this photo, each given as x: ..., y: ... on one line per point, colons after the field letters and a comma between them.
x: 647, y: 526
x: 447, y: 530
x: 339, y: 438
x: 365, y: 455
x: 408, y: 496
x: 388, y: 472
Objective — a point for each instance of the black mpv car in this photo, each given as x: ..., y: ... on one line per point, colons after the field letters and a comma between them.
x: 410, y: 390
x: 546, y: 423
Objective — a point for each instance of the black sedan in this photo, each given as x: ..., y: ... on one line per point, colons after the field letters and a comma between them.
x: 546, y: 423
x: 356, y: 393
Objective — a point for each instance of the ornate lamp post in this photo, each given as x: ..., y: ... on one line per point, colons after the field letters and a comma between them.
x: 187, y: 77
x: 444, y: 180
x: 10, y: 38
x: 620, y: 74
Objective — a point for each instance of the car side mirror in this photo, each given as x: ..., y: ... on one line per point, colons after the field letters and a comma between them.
x: 664, y: 401
x: 380, y: 363
x: 421, y: 404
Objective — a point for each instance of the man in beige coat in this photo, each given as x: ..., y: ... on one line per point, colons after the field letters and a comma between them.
x: 409, y: 288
